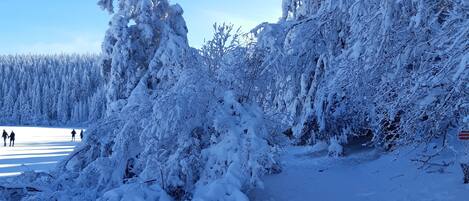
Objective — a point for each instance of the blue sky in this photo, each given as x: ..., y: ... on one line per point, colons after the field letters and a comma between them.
x: 78, y: 26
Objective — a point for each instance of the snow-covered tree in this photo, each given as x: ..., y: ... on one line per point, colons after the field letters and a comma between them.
x: 48, y: 90
x: 392, y: 70
x: 225, y: 40
x: 162, y: 120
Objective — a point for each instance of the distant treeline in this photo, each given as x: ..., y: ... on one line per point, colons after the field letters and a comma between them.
x: 50, y: 90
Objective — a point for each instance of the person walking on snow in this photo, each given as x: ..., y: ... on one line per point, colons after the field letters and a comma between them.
x: 81, y: 135
x: 73, y: 135
x: 4, y: 136
x: 12, y: 139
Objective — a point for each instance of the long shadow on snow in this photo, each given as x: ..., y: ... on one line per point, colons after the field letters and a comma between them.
x: 64, y: 152
x: 33, y: 159
x: 51, y: 144
x: 30, y: 167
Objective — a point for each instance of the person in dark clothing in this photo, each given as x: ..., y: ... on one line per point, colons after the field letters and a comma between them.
x: 12, y: 139
x: 81, y: 135
x: 4, y: 136
x: 73, y: 134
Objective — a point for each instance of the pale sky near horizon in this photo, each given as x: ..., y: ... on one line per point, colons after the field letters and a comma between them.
x: 78, y: 26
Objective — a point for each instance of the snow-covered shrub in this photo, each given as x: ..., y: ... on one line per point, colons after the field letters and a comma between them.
x: 239, y: 154
x: 335, y: 149
x: 319, y: 146
x: 133, y: 192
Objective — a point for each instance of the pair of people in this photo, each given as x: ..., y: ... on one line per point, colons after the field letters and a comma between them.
x: 74, y: 133
x: 11, y: 136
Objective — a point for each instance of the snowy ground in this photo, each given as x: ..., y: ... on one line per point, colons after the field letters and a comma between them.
x: 362, y: 176
x: 37, y: 149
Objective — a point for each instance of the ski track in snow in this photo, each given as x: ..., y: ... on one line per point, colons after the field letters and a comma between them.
x: 36, y: 149
x: 364, y: 176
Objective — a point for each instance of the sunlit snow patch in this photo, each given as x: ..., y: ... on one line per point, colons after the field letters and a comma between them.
x: 36, y: 149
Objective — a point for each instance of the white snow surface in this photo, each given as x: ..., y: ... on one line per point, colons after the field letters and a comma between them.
x: 364, y: 176
x: 36, y: 149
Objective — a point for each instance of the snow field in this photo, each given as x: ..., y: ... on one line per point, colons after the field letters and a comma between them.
x: 36, y: 149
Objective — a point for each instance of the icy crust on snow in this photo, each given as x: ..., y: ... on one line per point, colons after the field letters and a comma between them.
x: 339, y: 67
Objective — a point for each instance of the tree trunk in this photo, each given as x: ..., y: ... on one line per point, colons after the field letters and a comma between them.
x: 465, y: 170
